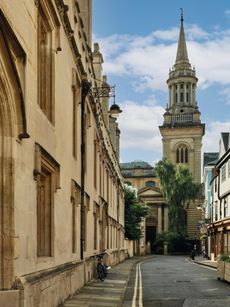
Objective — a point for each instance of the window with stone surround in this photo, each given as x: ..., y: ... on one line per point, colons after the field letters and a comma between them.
x: 107, y: 186
x: 47, y: 43
x: 96, y: 213
x: 46, y: 173
x: 76, y: 202
x: 95, y: 154
x: 85, y: 220
x: 76, y: 102
x: 150, y: 183
x: 182, y: 154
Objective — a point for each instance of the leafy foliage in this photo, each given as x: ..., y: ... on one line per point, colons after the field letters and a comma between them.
x: 175, y: 241
x: 225, y: 258
x: 178, y: 188
x: 134, y: 213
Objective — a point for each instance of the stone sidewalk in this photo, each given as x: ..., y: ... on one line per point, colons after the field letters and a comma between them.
x: 110, y: 292
x: 202, y: 261
x: 107, y: 293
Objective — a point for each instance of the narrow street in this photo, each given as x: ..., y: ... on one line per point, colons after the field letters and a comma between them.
x: 174, y: 281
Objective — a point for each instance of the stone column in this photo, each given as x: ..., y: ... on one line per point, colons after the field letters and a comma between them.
x: 184, y: 90
x: 166, y: 219
x: 166, y: 222
x: 159, y: 219
x: 172, y: 102
x: 170, y: 95
x: 178, y: 93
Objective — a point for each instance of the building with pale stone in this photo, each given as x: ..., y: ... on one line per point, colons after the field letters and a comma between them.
x: 182, y: 130
x: 61, y: 190
x: 141, y: 176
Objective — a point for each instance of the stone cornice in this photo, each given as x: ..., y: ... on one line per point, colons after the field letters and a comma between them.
x: 63, y: 9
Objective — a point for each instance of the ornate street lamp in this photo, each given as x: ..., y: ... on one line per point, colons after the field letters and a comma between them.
x: 115, y: 110
x: 107, y: 91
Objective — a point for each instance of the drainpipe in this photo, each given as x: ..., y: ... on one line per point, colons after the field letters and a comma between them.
x: 85, y: 88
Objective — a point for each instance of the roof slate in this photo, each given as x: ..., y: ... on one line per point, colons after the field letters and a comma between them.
x: 225, y: 138
x: 210, y: 158
x: 135, y: 164
x: 129, y: 169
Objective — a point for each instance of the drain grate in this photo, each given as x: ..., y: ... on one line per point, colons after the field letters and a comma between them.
x: 183, y: 280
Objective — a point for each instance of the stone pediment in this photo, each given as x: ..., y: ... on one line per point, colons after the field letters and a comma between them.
x: 150, y: 191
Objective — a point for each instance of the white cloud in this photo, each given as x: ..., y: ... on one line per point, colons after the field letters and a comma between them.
x: 146, y: 61
x: 171, y: 34
x: 226, y: 95
x: 148, y: 58
x: 139, y: 126
x: 212, y: 135
x: 194, y: 32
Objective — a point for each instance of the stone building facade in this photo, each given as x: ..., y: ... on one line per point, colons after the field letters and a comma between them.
x: 141, y: 176
x: 61, y: 190
x: 182, y: 130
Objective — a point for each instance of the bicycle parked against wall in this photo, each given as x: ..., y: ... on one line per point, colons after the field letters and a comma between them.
x: 102, y: 269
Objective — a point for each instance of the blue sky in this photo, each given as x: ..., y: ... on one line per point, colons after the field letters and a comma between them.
x: 138, y: 40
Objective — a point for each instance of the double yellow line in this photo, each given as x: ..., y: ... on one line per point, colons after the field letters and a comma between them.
x: 137, y: 300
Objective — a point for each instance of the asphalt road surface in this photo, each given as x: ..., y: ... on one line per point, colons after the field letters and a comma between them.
x: 174, y: 281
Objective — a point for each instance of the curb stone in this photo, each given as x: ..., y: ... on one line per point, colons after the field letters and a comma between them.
x: 141, y: 258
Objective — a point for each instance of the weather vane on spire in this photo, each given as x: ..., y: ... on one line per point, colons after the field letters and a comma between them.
x: 182, y: 16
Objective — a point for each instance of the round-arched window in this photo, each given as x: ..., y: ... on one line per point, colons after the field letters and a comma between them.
x: 150, y: 184
x: 182, y: 154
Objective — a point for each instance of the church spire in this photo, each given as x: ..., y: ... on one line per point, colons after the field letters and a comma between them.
x: 182, y: 105
x: 182, y: 54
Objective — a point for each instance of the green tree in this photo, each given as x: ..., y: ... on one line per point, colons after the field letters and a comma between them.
x: 134, y: 212
x: 175, y: 241
x: 178, y: 188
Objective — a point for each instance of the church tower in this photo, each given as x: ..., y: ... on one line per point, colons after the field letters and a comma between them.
x: 182, y: 130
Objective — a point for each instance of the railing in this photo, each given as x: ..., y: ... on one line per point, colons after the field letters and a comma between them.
x: 182, y: 118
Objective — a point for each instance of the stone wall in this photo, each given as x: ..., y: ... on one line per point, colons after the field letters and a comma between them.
x: 52, y: 149
x: 9, y: 298
x: 50, y: 288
